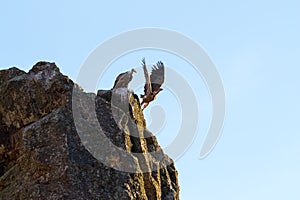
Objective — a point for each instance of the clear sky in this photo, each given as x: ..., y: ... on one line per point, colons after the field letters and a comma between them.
x: 255, y: 46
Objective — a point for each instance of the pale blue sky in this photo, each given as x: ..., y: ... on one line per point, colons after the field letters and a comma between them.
x: 255, y: 46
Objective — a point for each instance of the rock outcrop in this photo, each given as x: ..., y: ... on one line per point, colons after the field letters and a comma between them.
x: 58, y: 142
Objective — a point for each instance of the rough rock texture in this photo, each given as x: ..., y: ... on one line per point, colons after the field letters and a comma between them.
x: 49, y: 149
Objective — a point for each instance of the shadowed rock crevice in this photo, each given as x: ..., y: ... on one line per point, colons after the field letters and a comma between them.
x: 48, y: 153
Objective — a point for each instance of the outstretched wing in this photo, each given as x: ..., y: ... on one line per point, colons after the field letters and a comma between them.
x: 147, y: 87
x: 157, y: 76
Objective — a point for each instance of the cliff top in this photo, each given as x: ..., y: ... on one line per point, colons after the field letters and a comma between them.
x: 58, y: 142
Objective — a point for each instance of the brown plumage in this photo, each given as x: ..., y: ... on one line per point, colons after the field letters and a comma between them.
x: 153, y: 82
x: 123, y: 79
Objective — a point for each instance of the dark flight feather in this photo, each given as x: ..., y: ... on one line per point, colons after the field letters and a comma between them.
x: 157, y: 76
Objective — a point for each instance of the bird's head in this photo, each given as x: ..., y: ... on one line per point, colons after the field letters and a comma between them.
x: 156, y: 92
x: 133, y: 70
x: 160, y: 89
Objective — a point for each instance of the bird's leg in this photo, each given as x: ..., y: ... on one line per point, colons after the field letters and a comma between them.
x: 143, y: 102
x: 144, y: 105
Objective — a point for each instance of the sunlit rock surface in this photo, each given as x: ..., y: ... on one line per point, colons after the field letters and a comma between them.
x: 48, y: 142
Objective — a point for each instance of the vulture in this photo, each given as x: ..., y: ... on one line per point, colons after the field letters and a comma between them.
x: 123, y: 79
x: 153, y: 82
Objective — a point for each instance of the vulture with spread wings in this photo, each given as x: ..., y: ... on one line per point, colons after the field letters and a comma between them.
x: 153, y: 82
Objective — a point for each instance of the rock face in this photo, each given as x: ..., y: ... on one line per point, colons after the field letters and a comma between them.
x: 58, y: 142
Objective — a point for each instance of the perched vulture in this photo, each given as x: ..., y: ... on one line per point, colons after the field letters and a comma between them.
x: 123, y: 79
x: 153, y: 82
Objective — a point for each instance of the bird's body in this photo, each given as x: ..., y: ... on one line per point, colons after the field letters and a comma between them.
x: 123, y: 79
x: 153, y: 83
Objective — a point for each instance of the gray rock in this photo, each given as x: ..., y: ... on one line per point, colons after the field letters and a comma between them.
x: 47, y: 153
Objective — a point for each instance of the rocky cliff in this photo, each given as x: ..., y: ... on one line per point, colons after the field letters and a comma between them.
x: 58, y: 142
